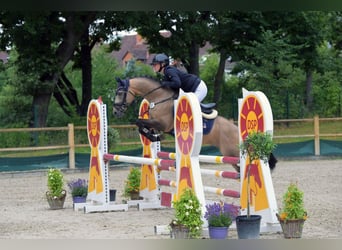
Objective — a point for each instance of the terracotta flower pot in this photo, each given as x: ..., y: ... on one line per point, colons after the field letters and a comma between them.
x: 135, y: 195
x: 54, y: 201
x: 180, y: 232
x: 292, y: 228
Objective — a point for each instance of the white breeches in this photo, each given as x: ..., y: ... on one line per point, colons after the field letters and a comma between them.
x: 201, y: 91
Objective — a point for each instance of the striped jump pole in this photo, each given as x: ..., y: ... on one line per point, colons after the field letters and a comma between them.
x: 218, y: 191
x: 203, y: 158
x: 167, y: 168
x: 168, y: 183
x: 138, y: 160
x: 221, y: 191
x: 217, y: 173
x: 221, y: 173
x: 208, y: 159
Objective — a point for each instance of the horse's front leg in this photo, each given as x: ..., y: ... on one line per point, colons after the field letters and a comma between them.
x: 147, y: 127
x: 150, y: 124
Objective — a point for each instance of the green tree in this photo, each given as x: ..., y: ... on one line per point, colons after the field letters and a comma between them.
x: 189, y: 33
x: 15, y: 105
x: 327, y: 91
x: 45, y: 42
x: 99, y: 32
x: 231, y: 31
x: 285, y: 55
x: 271, y: 70
x: 307, y: 30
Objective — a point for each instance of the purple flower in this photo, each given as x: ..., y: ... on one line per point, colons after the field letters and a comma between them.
x: 221, y: 214
x: 78, y: 187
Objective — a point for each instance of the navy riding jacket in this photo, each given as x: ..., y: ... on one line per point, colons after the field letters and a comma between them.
x: 175, y: 79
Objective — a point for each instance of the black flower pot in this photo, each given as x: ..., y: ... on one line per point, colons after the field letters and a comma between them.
x: 248, y: 227
x: 112, y: 194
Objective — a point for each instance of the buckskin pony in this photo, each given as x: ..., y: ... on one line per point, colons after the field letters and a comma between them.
x: 218, y: 131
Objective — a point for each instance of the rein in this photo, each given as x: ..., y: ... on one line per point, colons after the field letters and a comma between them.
x: 123, y: 105
x: 151, y: 91
x: 153, y: 104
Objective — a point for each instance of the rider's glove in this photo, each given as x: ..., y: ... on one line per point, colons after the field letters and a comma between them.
x: 165, y: 84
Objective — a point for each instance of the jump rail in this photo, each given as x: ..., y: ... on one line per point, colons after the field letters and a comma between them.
x: 203, y: 158
x: 139, y: 160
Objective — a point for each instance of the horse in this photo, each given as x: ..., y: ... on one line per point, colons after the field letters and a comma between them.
x: 224, y: 134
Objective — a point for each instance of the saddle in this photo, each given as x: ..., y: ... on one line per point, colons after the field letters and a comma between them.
x: 208, y: 111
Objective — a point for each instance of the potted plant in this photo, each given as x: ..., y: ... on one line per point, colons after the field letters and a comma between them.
x: 56, y: 193
x: 132, y: 184
x: 293, y: 214
x: 220, y: 216
x: 79, y: 190
x: 257, y: 146
x: 188, y: 213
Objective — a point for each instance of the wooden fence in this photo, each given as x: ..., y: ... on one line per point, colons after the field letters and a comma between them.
x: 71, y: 145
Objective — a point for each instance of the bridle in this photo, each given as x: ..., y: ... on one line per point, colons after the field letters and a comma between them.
x: 122, y: 106
x: 123, y: 88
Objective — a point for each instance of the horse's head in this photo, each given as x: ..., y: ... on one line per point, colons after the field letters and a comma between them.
x: 123, y: 97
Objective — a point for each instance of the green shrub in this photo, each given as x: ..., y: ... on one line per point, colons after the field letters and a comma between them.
x: 188, y: 212
x: 55, y: 182
x: 132, y: 183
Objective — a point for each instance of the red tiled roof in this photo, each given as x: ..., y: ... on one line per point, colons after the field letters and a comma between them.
x: 3, y: 56
x: 129, y: 45
x: 139, y: 50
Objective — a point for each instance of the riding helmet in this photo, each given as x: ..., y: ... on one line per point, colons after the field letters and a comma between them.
x: 161, y: 58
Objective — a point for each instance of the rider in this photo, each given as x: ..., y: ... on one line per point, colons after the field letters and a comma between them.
x: 176, y: 79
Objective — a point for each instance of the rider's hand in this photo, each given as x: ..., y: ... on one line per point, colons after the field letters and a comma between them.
x: 164, y: 84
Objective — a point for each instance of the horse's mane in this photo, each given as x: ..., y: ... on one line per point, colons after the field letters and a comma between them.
x: 152, y: 78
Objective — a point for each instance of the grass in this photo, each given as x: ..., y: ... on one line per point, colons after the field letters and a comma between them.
x: 299, y: 129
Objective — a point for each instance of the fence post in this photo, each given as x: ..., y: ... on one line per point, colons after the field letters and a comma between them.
x: 316, y: 128
x: 71, y: 140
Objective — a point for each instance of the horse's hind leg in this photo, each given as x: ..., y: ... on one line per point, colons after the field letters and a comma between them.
x: 236, y: 167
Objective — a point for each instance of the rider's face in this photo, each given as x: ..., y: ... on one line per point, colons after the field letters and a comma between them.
x: 156, y: 67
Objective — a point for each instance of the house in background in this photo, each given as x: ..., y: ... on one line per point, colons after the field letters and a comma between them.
x: 133, y: 47
x: 4, y: 56
x: 136, y: 47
